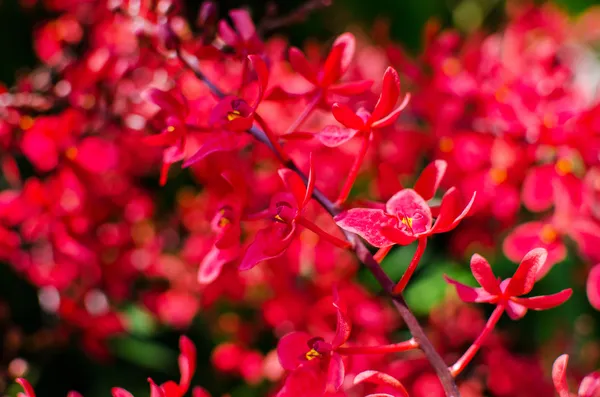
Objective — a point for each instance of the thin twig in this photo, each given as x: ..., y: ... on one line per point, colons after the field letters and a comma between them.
x: 297, y: 15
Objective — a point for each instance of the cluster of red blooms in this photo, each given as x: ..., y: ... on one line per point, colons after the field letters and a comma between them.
x: 131, y: 93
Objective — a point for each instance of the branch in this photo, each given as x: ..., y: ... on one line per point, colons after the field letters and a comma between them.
x: 363, y: 254
x: 297, y: 15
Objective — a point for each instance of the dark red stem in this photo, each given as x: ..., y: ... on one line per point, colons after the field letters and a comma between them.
x: 411, y: 267
x: 383, y: 349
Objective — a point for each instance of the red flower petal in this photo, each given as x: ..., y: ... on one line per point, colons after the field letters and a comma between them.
x: 155, y: 390
x: 187, y: 363
x: 390, y: 91
x: 166, y: 101
x: 430, y: 179
x: 351, y: 88
x: 347, y: 116
x: 243, y: 23
x: 343, y: 327
x: 482, y: 272
x: 412, y: 210
x: 392, y: 116
x: 333, y: 136
x: 26, y: 387
x: 537, y: 188
x: 593, y: 286
x: 293, y: 184
x: 590, y: 385
x: 301, y: 65
x: 292, y: 349
x: 118, y: 392
x: 450, y: 211
x: 470, y: 294
x: 338, y: 60
x: 528, y: 236
x: 222, y: 142
x: 227, y: 34
x: 310, y: 185
x: 262, y: 74
x: 367, y: 223
x: 348, y: 42
x: 269, y: 243
x: 522, y: 281
x: 559, y: 375
x: 381, y: 379
x: 545, y: 302
x: 515, y: 311
x: 335, y: 372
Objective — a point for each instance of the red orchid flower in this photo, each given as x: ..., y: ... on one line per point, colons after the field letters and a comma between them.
x: 286, y: 213
x: 589, y: 386
x: 507, y: 293
x: 244, y: 39
x: 323, y: 81
x: 187, y: 367
x: 381, y: 379
x: 315, y: 363
x: 568, y: 220
x: 226, y: 224
x: 384, y: 114
x: 232, y: 114
x: 29, y: 392
x: 407, y: 216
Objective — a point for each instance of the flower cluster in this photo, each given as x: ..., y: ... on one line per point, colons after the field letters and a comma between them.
x: 204, y: 169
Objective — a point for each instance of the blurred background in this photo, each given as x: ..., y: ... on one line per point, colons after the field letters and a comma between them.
x: 152, y: 350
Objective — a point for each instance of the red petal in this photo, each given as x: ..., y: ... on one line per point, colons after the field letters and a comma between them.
x: 347, y: 116
x: 332, y: 68
x: 515, y: 311
x: 470, y: 294
x: 559, y: 375
x: 293, y: 184
x: 430, y: 179
x: 292, y: 349
x: 348, y: 42
x: 269, y: 243
x: 352, y: 88
x: 593, y: 286
x: 336, y: 372
x: 155, y: 391
x: 343, y: 327
x: 301, y: 65
x: 262, y: 73
x: 166, y: 102
x: 390, y: 91
x: 380, y: 379
x: 450, y: 211
x: 227, y: 34
x: 222, y: 142
x: 118, y: 392
x: 527, y: 236
x: 586, y: 233
x: 243, y: 23
x: 398, y: 236
x: 310, y: 186
x: 26, y: 387
x: 537, y: 188
x: 333, y: 136
x: 545, y: 302
x: 392, y: 116
x: 590, y: 385
x: 482, y: 272
x: 367, y: 223
x: 213, y: 263
x: 187, y: 362
x: 408, y: 204
x: 524, y: 278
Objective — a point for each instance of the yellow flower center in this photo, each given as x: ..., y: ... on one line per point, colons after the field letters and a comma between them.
x: 311, y: 354
x: 280, y: 219
x: 408, y: 221
x: 451, y: 66
x: 498, y: 175
x: 25, y: 122
x: 446, y: 144
x: 235, y: 114
x: 71, y: 153
x: 224, y: 222
x: 548, y: 234
x: 564, y: 166
x: 170, y: 128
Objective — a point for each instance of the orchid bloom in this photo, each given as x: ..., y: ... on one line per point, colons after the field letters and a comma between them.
x: 507, y: 294
x: 286, y: 213
x: 324, y: 81
x: 316, y: 365
x: 244, y: 39
x: 232, y: 114
x: 589, y: 386
x: 407, y: 216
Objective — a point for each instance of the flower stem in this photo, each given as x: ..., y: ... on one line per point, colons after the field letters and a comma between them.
x: 305, y: 113
x: 462, y: 362
x: 411, y: 267
x: 354, y: 171
x: 272, y: 138
x: 410, y: 344
x: 322, y: 233
x: 382, y: 253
